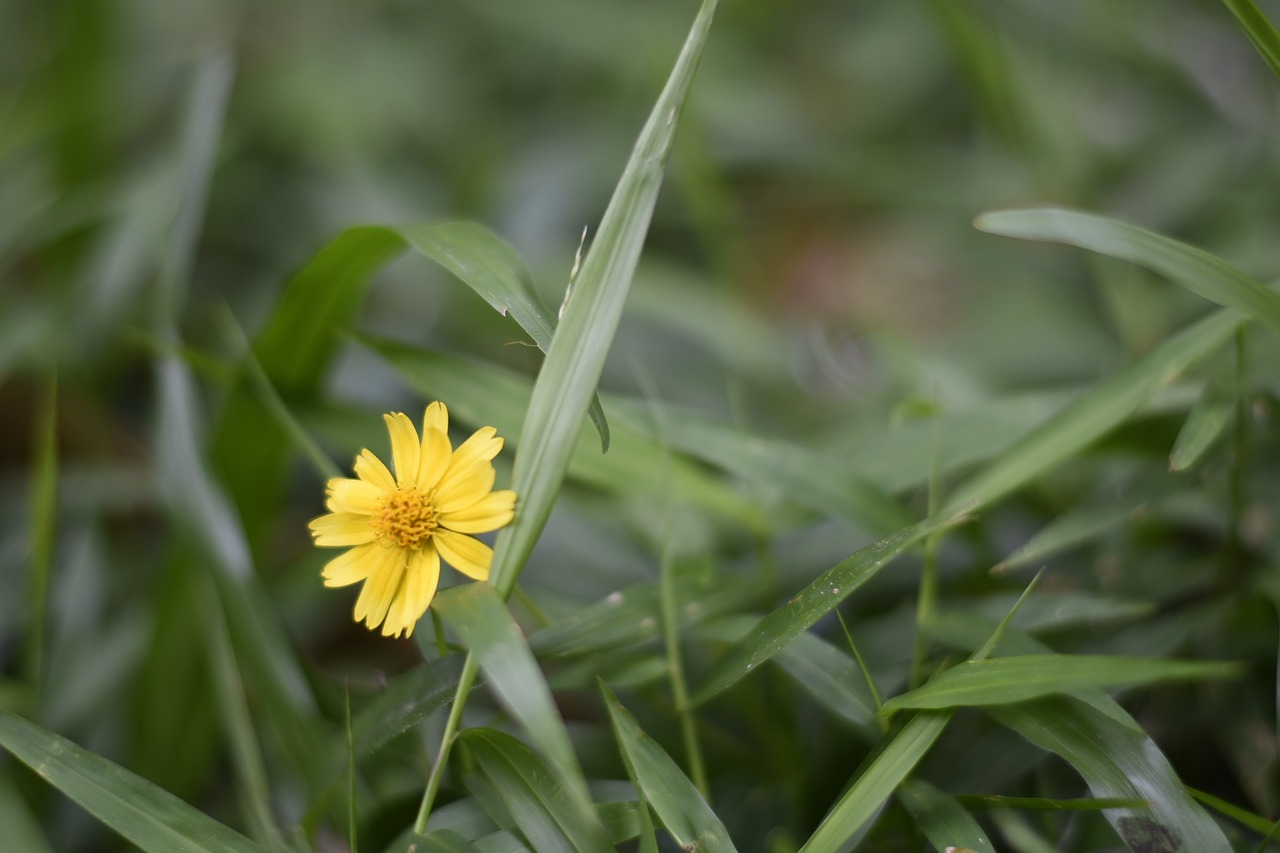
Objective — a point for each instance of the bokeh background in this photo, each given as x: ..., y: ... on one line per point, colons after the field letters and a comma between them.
x: 812, y: 274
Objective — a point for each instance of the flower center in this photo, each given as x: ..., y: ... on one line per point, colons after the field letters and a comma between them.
x: 405, y: 517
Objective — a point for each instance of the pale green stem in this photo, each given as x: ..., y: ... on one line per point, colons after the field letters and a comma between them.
x: 465, y: 681
x: 675, y: 669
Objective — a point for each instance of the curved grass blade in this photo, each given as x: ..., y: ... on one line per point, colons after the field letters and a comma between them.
x: 1118, y: 761
x: 479, y: 615
x: 589, y: 319
x: 877, y: 782
x: 1067, y: 530
x: 776, y: 630
x: 1194, y: 269
x: 945, y: 822
x: 1001, y: 681
x: 673, y: 797
x: 1099, y: 411
x: 1204, y: 424
x: 531, y: 790
x: 145, y: 814
x: 1259, y: 29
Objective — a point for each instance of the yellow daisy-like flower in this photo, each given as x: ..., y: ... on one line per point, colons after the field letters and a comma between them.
x: 398, y: 527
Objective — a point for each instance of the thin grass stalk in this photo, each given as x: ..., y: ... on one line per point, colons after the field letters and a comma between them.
x: 43, y: 520
x: 675, y: 670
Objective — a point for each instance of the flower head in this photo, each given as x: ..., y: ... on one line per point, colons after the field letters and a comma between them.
x: 399, y: 527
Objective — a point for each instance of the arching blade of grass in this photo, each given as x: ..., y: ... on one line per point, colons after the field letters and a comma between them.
x: 1098, y: 412
x: 944, y: 821
x: 1194, y: 269
x: 589, y: 319
x: 1000, y: 681
x: 1116, y: 760
x: 776, y: 630
x: 673, y: 797
x: 1205, y: 422
x: 145, y: 814
x: 325, y: 296
x: 877, y: 783
x: 479, y: 615
x: 1067, y: 530
x: 532, y: 792
x: 1259, y: 29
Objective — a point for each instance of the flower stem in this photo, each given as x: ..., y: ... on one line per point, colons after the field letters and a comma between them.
x: 465, y: 681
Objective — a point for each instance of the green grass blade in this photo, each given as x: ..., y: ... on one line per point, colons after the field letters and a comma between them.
x: 530, y: 790
x: 1204, y: 424
x: 1065, y: 531
x: 673, y: 797
x: 776, y: 630
x: 145, y: 814
x: 1194, y: 269
x: 589, y: 319
x: 482, y: 621
x: 1099, y: 411
x: 1259, y: 29
x: 1000, y: 681
x: 848, y: 818
x: 944, y: 821
x: 1116, y: 760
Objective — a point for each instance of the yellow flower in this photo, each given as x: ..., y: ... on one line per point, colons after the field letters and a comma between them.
x: 399, y: 527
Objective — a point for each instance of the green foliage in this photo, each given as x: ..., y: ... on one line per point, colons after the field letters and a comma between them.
x: 777, y: 405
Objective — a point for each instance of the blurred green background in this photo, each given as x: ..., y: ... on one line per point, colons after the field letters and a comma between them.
x: 812, y: 275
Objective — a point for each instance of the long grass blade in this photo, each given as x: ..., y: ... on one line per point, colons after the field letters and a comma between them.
x: 944, y: 821
x: 143, y: 813
x: 1258, y: 27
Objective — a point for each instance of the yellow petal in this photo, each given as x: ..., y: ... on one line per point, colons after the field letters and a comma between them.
x: 341, y: 529
x: 492, y: 511
x: 355, y: 496
x: 459, y: 492
x: 436, y: 416
x: 370, y: 469
x: 405, y: 447
x: 435, y: 455
x: 483, y: 445
x: 351, y: 566
x: 418, y: 587
x: 380, y: 587
x: 469, y: 556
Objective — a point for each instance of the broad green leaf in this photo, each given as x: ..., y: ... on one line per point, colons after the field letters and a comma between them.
x: 1194, y: 269
x: 805, y: 477
x: 944, y: 821
x: 877, y: 782
x: 480, y: 617
x: 532, y: 791
x: 486, y: 394
x: 1259, y: 29
x: 1000, y: 681
x: 1204, y: 423
x: 778, y: 629
x: 146, y: 815
x: 669, y: 792
x: 589, y: 319
x: 1116, y: 760
x: 1096, y: 413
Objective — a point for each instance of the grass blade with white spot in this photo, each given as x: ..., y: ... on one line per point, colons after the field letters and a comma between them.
x: 945, y: 822
x: 673, y: 797
x: 145, y: 814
